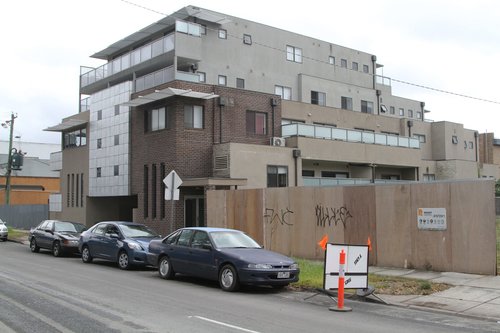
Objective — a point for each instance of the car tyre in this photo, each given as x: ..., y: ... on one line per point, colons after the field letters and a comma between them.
x: 56, y: 249
x: 228, y: 278
x: 165, y: 268
x: 86, y: 256
x: 123, y: 260
x: 33, y: 247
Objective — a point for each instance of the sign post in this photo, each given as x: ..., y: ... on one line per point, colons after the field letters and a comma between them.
x: 172, y: 182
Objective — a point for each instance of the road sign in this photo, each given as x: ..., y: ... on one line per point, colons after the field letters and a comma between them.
x: 172, y: 182
x: 356, y: 266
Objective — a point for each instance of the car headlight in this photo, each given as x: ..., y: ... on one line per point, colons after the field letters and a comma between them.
x: 294, y: 266
x: 260, y: 266
x: 134, y: 245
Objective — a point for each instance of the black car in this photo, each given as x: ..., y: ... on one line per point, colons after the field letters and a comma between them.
x: 225, y: 255
x: 125, y: 243
x: 58, y: 236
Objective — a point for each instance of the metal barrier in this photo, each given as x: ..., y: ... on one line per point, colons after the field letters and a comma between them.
x: 24, y: 216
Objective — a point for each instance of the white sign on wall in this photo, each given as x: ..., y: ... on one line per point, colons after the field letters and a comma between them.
x: 356, y: 266
x: 431, y: 218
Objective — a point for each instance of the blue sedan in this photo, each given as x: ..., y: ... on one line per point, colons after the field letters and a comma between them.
x: 125, y: 243
x: 225, y: 255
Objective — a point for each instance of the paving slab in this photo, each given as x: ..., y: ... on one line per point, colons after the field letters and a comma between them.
x: 487, y: 310
x: 423, y: 275
x: 397, y: 299
x: 456, y: 279
x: 395, y: 272
x: 492, y: 282
x: 466, y: 293
x: 443, y: 303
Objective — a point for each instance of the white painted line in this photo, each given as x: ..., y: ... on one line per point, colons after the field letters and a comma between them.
x: 223, y: 324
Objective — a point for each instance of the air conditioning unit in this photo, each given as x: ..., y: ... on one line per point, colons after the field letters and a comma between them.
x: 280, y: 142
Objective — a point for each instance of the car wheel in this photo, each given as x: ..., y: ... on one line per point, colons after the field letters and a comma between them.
x: 228, y: 279
x: 165, y: 269
x: 33, y: 246
x: 123, y: 261
x: 56, y: 249
x: 86, y: 256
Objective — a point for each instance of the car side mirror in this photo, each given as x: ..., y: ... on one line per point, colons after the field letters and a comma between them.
x: 206, y: 247
x: 49, y: 231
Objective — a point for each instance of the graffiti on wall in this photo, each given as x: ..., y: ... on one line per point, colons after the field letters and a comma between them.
x: 275, y: 218
x: 328, y: 216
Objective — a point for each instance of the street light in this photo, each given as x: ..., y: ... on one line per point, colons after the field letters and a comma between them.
x: 9, y: 162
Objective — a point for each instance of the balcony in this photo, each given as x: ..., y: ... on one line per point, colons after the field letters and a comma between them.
x: 383, y: 80
x: 162, y: 76
x: 347, y: 135
x: 128, y: 60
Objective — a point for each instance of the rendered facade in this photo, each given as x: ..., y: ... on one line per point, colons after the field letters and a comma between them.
x: 229, y: 103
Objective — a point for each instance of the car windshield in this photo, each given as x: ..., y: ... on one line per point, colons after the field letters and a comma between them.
x: 232, y: 239
x: 68, y: 227
x: 136, y: 231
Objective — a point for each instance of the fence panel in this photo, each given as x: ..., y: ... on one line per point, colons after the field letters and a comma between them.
x: 24, y: 216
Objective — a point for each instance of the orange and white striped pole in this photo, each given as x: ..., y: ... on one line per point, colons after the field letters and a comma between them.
x: 340, y: 294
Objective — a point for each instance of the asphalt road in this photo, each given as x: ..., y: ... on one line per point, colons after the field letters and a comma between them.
x: 41, y: 293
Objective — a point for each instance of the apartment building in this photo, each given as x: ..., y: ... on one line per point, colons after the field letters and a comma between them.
x: 230, y: 103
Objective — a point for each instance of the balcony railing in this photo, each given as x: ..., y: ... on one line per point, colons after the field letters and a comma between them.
x: 85, y: 104
x: 137, y: 56
x: 333, y: 133
x: 161, y: 76
x: 323, y: 181
x: 383, y: 80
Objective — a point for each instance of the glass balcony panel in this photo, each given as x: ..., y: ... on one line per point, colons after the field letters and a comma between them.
x: 368, y: 137
x: 414, y: 143
x: 139, y: 84
x: 117, y: 65
x: 136, y: 57
x: 354, y: 136
x: 323, y: 132
x: 181, y: 26
x: 339, y: 134
x: 381, y: 139
x: 305, y: 130
x: 148, y: 81
x: 289, y: 130
x: 126, y: 61
x: 392, y: 140
x: 168, y: 42
x: 404, y: 142
x: 146, y: 52
x: 158, y: 78
x: 157, y: 48
x: 195, y: 30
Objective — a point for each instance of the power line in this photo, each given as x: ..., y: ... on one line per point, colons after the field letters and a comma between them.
x: 335, y: 65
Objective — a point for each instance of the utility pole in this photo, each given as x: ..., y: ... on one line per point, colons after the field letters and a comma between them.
x: 9, y: 162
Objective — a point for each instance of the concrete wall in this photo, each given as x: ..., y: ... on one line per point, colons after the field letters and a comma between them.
x: 293, y: 220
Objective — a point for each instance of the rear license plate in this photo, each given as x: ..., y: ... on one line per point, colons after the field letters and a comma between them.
x: 283, y: 275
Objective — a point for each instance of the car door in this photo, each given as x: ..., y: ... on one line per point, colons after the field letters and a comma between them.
x: 201, y: 256
x: 111, y: 242
x: 180, y: 257
x: 95, y: 240
x: 38, y: 231
x: 46, y: 235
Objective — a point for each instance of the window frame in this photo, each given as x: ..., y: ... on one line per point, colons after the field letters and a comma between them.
x: 222, y: 34
x: 191, y: 122
x: 223, y: 82
x: 280, y: 91
x: 278, y: 181
x: 367, y: 106
x: 347, y: 100
x: 294, y: 54
x: 318, y: 98
x: 252, y: 120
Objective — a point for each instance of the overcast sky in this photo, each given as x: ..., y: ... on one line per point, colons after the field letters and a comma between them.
x: 443, y: 44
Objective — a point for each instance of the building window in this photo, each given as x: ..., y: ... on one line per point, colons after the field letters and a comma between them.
x: 343, y: 63
x: 366, y: 107
x: 72, y: 190
x: 392, y: 110
x: 334, y: 174
x: 67, y: 191
x: 346, y: 103
x: 284, y: 92
x: 77, y: 191
x: 318, y: 98
x: 454, y: 139
x: 153, y: 191
x: 277, y: 176
x: 157, y: 119
x: 222, y: 34
x: 98, y: 172
x: 202, y: 76
x: 419, y: 115
x: 81, y: 190
x: 116, y: 170
x: 145, y: 191
x: 162, y: 188
x: 222, y: 80
x: 193, y: 116
x: 293, y: 53
x: 240, y: 83
x: 429, y: 177
x: 117, y: 140
x: 117, y: 110
x: 410, y: 113
x: 354, y: 66
x: 420, y: 137
x: 76, y: 138
x: 331, y: 60
x: 247, y: 39
x: 256, y: 123
x: 401, y: 111
x: 307, y: 173
x: 99, y: 143
x: 366, y: 69
x: 99, y: 115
